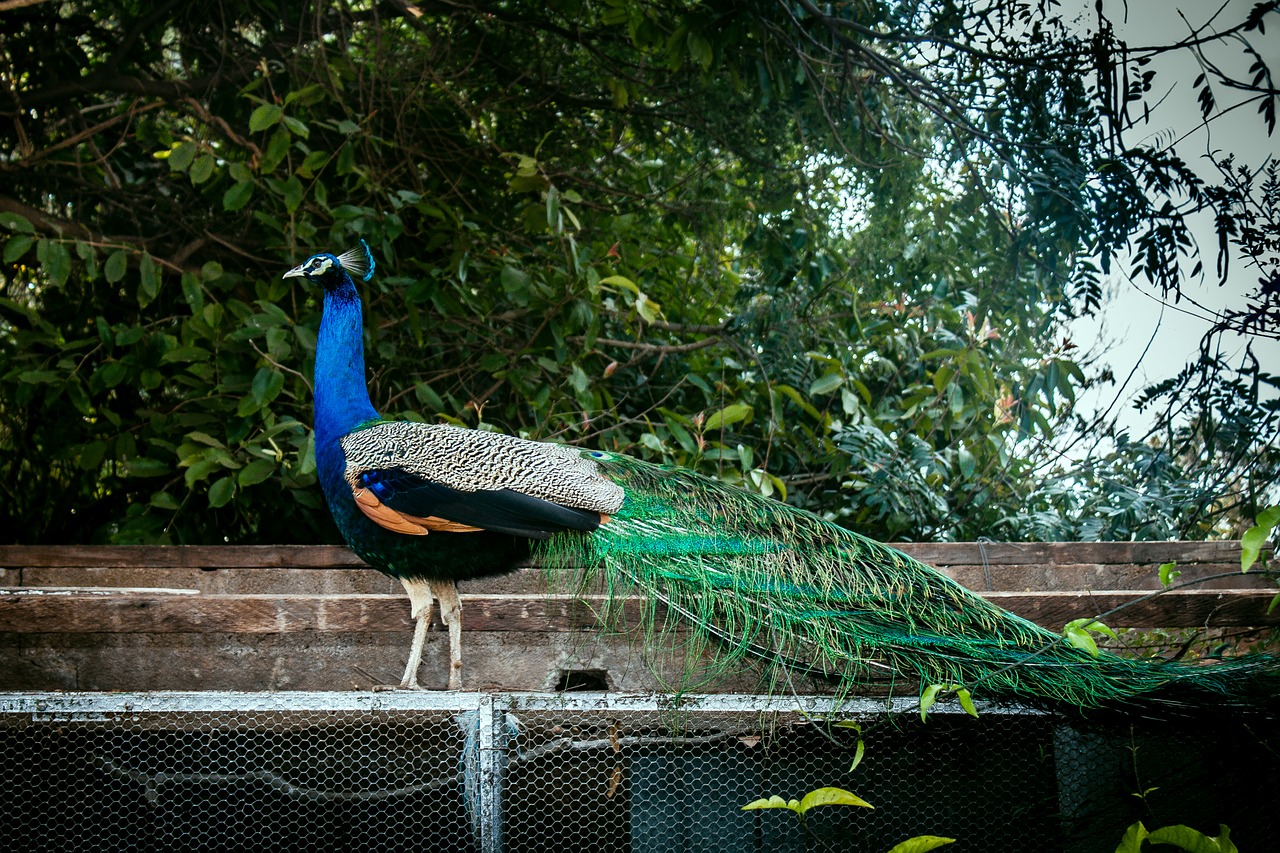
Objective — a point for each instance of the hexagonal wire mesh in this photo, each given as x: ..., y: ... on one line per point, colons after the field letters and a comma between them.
x: 598, y: 772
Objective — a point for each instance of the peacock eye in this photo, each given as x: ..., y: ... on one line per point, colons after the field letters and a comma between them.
x: 596, y: 454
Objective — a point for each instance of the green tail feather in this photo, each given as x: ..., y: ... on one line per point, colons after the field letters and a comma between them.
x: 766, y: 580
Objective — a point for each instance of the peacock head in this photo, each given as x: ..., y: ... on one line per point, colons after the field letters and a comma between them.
x: 327, y: 270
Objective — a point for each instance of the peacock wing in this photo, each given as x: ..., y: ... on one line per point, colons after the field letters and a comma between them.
x: 414, y: 478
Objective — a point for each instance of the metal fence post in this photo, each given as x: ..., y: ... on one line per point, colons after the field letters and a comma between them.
x: 493, y: 768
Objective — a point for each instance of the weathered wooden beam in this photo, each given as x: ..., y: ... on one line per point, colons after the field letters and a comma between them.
x: 109, y: 611
x: 181, y: 556
x: 358, y: 580
x: 989, y: 554
x: 233, y: 569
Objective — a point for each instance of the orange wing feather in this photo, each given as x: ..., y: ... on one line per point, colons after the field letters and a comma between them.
x: 399, y: 522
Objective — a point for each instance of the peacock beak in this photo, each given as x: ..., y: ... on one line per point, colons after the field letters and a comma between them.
x: 296, y: 272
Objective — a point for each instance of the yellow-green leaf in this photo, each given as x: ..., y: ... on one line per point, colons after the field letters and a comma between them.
x: 1255, y: 537
x: 831, y: 797
x: 774, y: 802
x: 921, y: 844
x: 728, y: 415
x: 825, y: 384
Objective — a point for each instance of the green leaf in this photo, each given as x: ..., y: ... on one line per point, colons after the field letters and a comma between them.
x: 148, y: 280
x: 492, y: 362
x: 774, y: 802
x: 116, y: 266
x: 265, y: 116
x: 831, y: 797
x: 927, y: 699
x: 965, y: 698
x: 255, y: 472
x: 1255, y: 537
x: 1167, y: 574
x: 267, y: 383
x: 647, y: 308
x: 1132, y: 840
x: 144, y: 467
x: 55, y: 260
x: 221, y: 492
x: 202, y: 169
x: 90, y: 455
x: 1091, y: 625
x: 181, y: 155
x: 622, y: 281
x: 858, y: 753
x: 825, y: 384
x: 204, y: 438
x: 700, y: 51
x: 1081, y: 639
x: 17, y: 247
x: 942, y: 376
x: 296, y: 127
x: 237, y: 196
x: 16, y: 222
x: 921, y: 844
x: 728, y: 415
x: 515, y: 283
x: 579, y: 380
x: 164, y: 500
x: 1184, y: 838
x: 292, y: 193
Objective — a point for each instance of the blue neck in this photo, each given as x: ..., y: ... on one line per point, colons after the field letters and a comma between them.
x: 341, y: 391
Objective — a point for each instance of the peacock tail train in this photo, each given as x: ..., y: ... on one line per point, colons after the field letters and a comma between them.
x: 757, y: 578
x: 432, y: 504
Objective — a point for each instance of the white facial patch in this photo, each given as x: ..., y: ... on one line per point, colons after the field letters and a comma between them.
x: 319, y: 266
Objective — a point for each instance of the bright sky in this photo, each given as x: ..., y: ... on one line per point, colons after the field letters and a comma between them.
x: 1133, y: 318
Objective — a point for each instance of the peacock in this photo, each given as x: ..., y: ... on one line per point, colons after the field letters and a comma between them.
x: 433, y: 504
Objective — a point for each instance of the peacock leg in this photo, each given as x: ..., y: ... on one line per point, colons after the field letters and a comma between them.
x: 451, y: 613
x: 420, y: 601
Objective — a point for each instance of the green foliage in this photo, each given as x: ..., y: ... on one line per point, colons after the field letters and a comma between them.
x: 1079, y: 633
x: 1167, y: 574
x: 931, y: 693
x: 1181, y: 837
x: 860, y: 749
x: 1256, y: 536
x: 707, y: 235
x: 840, y: 797
x: 813, y: 799
x: 921, y: 844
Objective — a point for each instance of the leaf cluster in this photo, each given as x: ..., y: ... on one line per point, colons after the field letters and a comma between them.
x: 773, y: 243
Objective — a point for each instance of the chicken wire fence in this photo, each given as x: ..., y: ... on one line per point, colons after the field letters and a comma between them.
x: 602, y: 772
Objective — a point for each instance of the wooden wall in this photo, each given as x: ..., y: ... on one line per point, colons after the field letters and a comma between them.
x: 315, y: 618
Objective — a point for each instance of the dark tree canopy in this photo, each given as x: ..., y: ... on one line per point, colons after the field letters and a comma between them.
x: 823, y: 251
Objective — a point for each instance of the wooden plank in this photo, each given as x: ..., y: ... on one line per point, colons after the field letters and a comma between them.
x: 231, y: 569
x: 104, y: 612
x: 181, y: 556
x: 357, y: 661
x: 234, y: 581
x: 362, y: 580
x: 335, y: 556
x: 1066, y: 577
x: 1036, y: 553
x: 1191, y: 608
